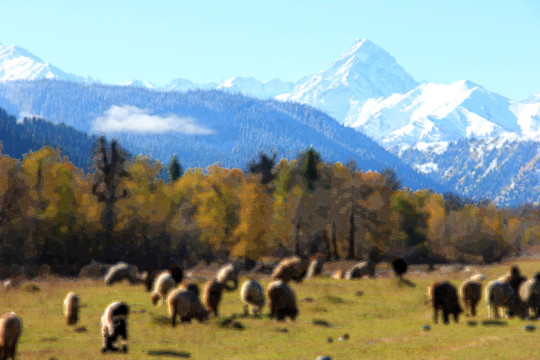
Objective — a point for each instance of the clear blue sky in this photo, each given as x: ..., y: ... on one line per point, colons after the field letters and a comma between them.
x: 494, y: 43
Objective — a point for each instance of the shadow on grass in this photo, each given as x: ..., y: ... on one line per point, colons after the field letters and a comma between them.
x: 231, y: 323
x: 169, y: 353
x: 494, y: 323
x: 401, y: 281
x: 161, y: 320
x: 321, y: 322
x: 335, y: 299
x: 80, y: 329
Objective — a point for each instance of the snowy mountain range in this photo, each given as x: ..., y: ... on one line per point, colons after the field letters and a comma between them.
x: 19, y: 64
x: 435, y: 128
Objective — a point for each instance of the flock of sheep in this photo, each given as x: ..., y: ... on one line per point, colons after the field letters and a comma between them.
x: 512, y: 293
x: 509, y: 295
x: 183, y: 299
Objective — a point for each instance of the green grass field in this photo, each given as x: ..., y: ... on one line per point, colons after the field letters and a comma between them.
x: 383, y: 317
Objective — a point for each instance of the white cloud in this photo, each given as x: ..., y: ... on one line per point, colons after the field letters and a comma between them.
x: 131, y: 118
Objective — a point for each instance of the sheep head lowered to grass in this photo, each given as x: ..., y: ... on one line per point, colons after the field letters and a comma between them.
x: 443, y: 296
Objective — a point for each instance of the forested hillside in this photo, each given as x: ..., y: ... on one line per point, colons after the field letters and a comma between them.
x: 31, y: 134
x: 202, y: 127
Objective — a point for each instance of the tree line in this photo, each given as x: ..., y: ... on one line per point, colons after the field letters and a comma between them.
x: 52, y: 213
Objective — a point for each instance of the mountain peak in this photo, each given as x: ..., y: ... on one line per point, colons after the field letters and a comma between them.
x: 364, y: 71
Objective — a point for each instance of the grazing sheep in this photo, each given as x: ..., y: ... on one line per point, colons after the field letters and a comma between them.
x: 294, y: 268
x: 71, y: 308
x: 187, y: 305
x: 191, y: 286
x: 470, y: 293
x: 513, y: 278
x: 338, y: 274
x: 364, y: 268
x: 113, y: 325
x: 148, y: 278
x: 226, y: 274
x: 400, y: 266
x: 477, y: 277
x: 252, y: 293
x: 282, y: 301
x: 176, y: 273
x: 10, y: 330
x: 500, y: 294
x: 162, y: 285
x: 94, y: 270
x: 121, y: 271
x: 529, y: 293
x: 212, y: 295
x: 443, y: 296
x: 315, y: 268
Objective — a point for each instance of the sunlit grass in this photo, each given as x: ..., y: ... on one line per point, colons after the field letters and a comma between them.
x: 383, y: 317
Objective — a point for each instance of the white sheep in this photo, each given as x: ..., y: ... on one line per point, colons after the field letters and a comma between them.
x: 10, y: 330
x: 227, y: 274
x: 121, y: 271
x: 113, y: 325
x: 187, y: 305
x: 163, y: 283
x: 363, y: 268
x: 529, y: 293
x: 252, y: 293
x: 501, y: 295
x: 71, y: 308
x: 477, y: 277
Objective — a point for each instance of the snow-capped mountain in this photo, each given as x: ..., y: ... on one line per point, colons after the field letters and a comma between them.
x: 185, y: 85
x: 435, y: 113
x: 528, y: 116
x: 365, y: 71
x: 255, y: 88
x: 244, y: 85
x: 142, y: 84
x: 505, y: 169
x: 19, y: 64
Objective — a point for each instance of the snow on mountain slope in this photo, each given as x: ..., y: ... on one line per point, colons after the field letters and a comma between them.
x: 252, y: 87
x: 434, y: 113
x: 528, y: 116
x: 365, y: 71
x: 185, y: 85
x: 19, y: 64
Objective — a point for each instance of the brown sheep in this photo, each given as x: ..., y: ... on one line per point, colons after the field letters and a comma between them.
x: 282, y: 301
x: 71, y: 308
x: 443, y: 296
x: 225, y: 275
x: 212, y: 295
x: 191, y: 286
x: 187, y: 305
x: 293, y: 268
x: 113, y: 325
x: 10, y: 330
x: 470, y: 293
x: 338, y: 274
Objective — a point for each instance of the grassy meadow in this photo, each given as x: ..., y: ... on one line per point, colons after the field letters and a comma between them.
x: 383, y: 317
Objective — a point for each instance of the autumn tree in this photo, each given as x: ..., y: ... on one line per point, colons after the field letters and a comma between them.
x: 110, y: 169
x: 264, y: 166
